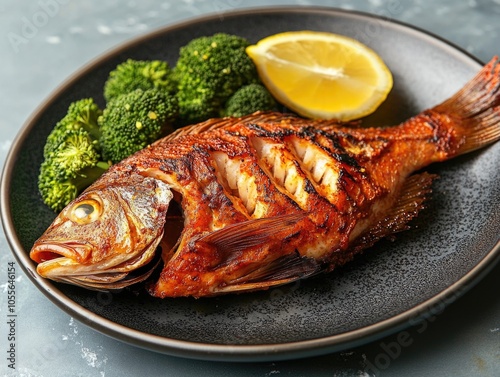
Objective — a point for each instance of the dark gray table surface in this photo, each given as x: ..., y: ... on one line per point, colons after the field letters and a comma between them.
x: 43, y: 42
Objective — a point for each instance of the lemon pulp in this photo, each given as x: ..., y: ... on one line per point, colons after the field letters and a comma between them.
x: 322, y: 75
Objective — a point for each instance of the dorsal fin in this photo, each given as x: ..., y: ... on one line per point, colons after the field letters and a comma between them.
x: 215, y: 123
x: 266, y: 117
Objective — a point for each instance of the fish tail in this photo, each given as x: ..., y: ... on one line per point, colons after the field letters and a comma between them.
x: 475, y: 109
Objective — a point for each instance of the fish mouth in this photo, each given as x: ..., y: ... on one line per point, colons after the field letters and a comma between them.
x: 47, y: 251
x: 66, y: 263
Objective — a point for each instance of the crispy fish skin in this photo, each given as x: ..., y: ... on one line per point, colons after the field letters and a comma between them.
x: 271, y: 198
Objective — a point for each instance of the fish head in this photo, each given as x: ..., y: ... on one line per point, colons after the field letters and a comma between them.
x: 104, y: 235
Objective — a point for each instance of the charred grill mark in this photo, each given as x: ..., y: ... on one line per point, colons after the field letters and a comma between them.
x: 231, y: 143
x: 250, y: 186
x: 318, y: 166
x: 352, y: 150
x: 443, y: 136
x: 214, y: 207
x: 281, y: 169
x: 354, y: 185
x: 228, y: 171
x: 308, y: 132
x: 239, y: 178
x: 347, y: 159
x: 352, y: 182
x: 309, y: 187
x: 277, y: 133
x: 335, y: 139
x: 291, y: 236
x: 332, y: 143
x: 434, y: 125
x: 214, y: 197
x: 179, y: 166
x: 257, y: 129
x: 349, y: 187
x: 330, y: 140
x: 289, y: 175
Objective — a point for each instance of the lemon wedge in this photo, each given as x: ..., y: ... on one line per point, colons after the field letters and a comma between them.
x: 322, y: 75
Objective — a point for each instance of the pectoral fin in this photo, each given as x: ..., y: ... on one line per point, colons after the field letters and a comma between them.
x: 234, y: 240
x: 238, y: 237
x: 282, y: 270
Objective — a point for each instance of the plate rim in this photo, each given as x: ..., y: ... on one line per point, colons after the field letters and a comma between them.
x: 211, y: 351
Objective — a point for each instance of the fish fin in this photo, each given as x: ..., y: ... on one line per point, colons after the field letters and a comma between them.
x: 414, y: 193
x: 215, y: 123
x: 208, y: 125
x: 258, y: 117
x: 283, y: 270
x: 235, y: 238
x: 477, y: 105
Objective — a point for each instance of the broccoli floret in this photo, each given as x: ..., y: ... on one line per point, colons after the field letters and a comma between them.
x: 132, y: 121
x: 249, y: 99
x: 69, y: 168
x: 76, y: 152
x: 72, y: 158
x: 139, y: 74
x: 82, y: 114
x: 209, y: 70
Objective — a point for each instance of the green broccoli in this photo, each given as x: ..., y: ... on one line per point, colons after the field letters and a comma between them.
x: 132, y: 121
x: 139, y: 74
x: 81, y: 114
x: 249, y: 99
x: 209, y: 70
x: 72, y: 158
x: 69, y: 168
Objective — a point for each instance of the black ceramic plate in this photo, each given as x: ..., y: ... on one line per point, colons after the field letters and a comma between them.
x: 450, y: 246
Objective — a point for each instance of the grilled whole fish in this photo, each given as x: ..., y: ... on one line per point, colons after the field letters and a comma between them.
x: 243, y: 204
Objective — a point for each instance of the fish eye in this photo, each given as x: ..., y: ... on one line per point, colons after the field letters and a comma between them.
x: 83, y: 210
x: 86, y: 211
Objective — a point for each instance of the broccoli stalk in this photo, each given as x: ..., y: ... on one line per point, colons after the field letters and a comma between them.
x: 132, y: 121
x: 69, y: 168
x: 209, y: 70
